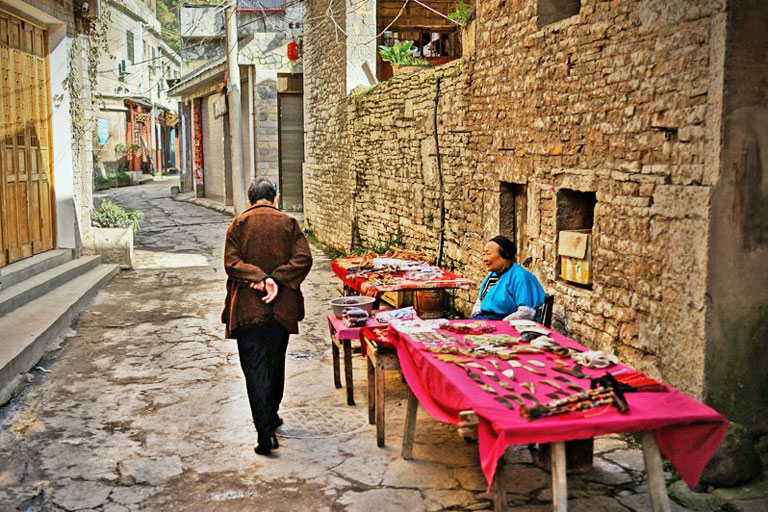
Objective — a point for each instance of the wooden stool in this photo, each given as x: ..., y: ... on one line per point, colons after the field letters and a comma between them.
x: 379, y: 360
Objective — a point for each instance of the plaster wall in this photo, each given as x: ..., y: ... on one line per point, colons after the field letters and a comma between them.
x: 737, y: 288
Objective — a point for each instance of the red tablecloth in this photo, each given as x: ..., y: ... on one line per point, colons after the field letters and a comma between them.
x: 447, y: 280
x: 688, y: 432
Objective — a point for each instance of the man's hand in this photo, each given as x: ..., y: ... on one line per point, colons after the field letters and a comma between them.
x: 268, y: 285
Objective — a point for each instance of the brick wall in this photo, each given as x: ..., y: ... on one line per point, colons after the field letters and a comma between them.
x: 620, y: 102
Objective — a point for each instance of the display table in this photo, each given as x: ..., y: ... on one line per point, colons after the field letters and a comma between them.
x: 363, y: 286
x: 341, y: 341
x: 687, y: 431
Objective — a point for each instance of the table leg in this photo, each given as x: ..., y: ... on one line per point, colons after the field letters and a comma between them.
x: 653, y: 467
x: 410, y: 425
x: 371, y: 390
x: 348, y: 372
x: 336, y: 369
x: 559, y: 483
x: 380, y: 378
x: 499, y: 490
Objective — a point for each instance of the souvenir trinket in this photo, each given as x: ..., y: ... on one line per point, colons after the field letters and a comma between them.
x: 536, y: 363
x: 529, y: 386
x: 503, y: 401
x: 510, y: 374
x: 532, y: 370
x: 531, y: 398
x: 488, y: 389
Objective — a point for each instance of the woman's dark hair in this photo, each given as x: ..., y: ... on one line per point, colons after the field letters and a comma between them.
x: 261, y: 188
x: 506, y: 247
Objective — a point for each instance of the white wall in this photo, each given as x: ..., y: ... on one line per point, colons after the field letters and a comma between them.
x: 361, y: 41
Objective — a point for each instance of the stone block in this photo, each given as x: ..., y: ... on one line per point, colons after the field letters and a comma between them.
x: 115, y: 245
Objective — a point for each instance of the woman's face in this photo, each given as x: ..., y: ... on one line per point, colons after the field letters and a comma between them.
x: 492, y: 259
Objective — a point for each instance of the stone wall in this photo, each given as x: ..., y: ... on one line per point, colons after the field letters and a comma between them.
x: 327, y: 180
x: 621, y: 102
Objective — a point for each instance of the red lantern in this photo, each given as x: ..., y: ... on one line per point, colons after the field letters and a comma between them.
x: 293, y: 52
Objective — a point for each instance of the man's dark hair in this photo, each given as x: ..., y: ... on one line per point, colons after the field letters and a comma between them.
x: 507, y: 247
x: 261, y: 188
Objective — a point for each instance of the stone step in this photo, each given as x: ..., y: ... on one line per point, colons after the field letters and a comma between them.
x: 22, y: 270
x: 38, y: 285
x: 29, y: 329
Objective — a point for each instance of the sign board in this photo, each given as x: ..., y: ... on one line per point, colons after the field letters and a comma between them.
x: 102, y: 130
x: 261, y: 5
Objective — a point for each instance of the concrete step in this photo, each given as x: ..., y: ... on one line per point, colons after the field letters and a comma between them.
x: 28, y: 330
x: 42, y: 283
x: 17, y: 272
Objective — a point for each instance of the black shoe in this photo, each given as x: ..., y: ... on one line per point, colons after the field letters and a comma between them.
x: 278, y: 421
x: 273, y: 444
x: 262, y: 449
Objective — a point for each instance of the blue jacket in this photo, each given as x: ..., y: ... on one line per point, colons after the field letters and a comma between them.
x: 516, y: 287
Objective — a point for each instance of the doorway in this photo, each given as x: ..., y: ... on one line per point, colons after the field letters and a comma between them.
x: 291, y: 144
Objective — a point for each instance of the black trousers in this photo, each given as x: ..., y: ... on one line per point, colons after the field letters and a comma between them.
x: 262, y: 350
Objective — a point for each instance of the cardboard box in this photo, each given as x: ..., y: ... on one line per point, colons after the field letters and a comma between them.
x: 575, y: 250
x: 398, y: 299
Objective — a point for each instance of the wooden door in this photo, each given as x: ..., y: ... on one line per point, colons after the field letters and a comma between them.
x: 26, y: 224
x: 291, y: 144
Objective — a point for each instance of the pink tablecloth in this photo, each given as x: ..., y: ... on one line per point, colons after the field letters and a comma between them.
x: 688, y: 432
x: 350, y: 333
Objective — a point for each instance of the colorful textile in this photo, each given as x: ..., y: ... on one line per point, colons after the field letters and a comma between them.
x: 688, y: 432
x: 400, y: 283
x: 516, y: 287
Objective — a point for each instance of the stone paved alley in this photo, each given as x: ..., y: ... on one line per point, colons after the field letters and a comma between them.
x: 142, y: 407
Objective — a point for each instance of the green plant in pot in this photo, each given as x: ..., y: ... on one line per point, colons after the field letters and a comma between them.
x: 402, y: 56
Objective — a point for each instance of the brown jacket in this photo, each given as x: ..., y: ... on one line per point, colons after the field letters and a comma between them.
x: 264, y: 242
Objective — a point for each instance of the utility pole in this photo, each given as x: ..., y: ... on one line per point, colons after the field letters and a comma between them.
x: 235, y: 110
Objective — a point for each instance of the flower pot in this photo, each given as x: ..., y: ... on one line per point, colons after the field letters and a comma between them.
x: 399, y: 70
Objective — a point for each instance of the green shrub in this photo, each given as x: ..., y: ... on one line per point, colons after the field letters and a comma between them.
x: 100, y: 180
x: 460, y: 15
x: 110, y: 215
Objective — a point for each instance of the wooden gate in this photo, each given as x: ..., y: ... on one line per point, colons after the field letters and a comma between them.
x: 26, y: 184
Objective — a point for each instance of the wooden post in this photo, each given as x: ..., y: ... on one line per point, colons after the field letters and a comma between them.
x: 499, y: 489
x: 348, y: 372
x: 371, y: 387
x: 559, y: 483
x: 657, y: 487
x: 410, y: 425
x: 380, y: 378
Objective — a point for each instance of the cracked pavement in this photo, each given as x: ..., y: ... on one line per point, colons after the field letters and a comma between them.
x: 142, y: 406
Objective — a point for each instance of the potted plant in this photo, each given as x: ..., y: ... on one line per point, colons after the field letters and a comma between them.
x: 402, y: 57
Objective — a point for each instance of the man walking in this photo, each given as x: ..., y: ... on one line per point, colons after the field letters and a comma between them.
x: 266, y: 257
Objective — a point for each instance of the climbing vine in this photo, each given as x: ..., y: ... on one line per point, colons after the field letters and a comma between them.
x: 90, y: 42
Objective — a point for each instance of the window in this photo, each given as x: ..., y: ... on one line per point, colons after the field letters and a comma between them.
x: 551, y: 11
x: 129, y: 45
x: 512, y: 216
x: 575, y: 218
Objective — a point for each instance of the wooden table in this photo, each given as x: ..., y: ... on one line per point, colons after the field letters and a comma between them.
x: 689, y: 432
x: 341, y: 343
x: 653, y: 466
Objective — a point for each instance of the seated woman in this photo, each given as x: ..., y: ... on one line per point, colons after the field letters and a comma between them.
x: 508, y: 291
